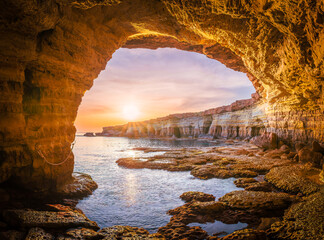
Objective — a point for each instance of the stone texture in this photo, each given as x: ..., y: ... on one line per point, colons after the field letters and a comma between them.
x: 80, y: 186
x: 39, y: 234
x: 303, y: 220
x: 263, y: 201
x: 266, y: 141
x: 52, y: 50
x: 246, y: 234
x: 48, y: 219
x: 294, y: 179
x: 197, y: 196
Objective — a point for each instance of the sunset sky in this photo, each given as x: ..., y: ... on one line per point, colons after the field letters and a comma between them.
x: 145, y: 84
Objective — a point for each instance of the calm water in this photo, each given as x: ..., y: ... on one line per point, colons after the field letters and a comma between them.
x: 136, y: 197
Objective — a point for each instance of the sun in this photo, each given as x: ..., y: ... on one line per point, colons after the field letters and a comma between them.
x: 130, y: 112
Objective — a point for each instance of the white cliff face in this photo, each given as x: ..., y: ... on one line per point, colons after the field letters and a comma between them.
x: 241, y: 119
x: 248, y: 122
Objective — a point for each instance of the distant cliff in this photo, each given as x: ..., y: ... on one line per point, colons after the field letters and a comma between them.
x: 243, y: 118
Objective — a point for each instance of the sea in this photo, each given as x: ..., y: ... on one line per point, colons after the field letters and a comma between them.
x: 140, y: 197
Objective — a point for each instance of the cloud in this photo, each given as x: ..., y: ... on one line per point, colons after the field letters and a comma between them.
x: 160, y: 82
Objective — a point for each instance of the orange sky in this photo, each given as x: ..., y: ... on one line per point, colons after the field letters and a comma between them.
x: 158, y: 82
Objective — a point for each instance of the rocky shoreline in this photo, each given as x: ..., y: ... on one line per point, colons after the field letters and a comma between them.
x: 282, y: 196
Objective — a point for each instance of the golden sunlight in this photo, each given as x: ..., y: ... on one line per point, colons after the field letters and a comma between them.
x: 130, y: 112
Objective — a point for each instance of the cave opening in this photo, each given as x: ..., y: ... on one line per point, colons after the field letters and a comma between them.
x: 167, y: 85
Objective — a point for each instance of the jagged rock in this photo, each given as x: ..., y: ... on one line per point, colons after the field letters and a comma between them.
x: 293, y: 179
x: 47, y: 219
x: 303, y: 220
x: 39, y: 234
x: 80, y: 186
x: 197, y: 196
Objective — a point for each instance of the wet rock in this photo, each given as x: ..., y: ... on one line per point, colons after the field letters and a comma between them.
x: 266, y: 141
x: 257, y: 201
x: 211, y: 207
x: 259, y: 186
x: 305, y: 155
x: 293, y: 179
x: 48, y: 219
x: 12, y: 235
x: 303, y: 220
x: 39, y: 234
x: 80, y: 186
x: 197, y: 196
x: 246, y: 234
x: 244, y: 182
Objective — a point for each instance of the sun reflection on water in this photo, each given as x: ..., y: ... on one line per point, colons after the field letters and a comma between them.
x: 131, y: 189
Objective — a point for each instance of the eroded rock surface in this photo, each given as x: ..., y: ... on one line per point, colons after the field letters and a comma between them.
x: 51, y: 51
x: 303, y: 220
x: 294, y: 179
x: 48, y: 219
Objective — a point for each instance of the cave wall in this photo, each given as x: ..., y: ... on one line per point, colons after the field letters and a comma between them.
x: 52, y: 50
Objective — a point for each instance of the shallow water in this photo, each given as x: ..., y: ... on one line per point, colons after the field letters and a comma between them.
x: 136, y: 197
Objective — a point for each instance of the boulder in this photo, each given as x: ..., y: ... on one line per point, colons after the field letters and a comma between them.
x: 305, y: 155
x: 80, y: 186
x: 266, y: 141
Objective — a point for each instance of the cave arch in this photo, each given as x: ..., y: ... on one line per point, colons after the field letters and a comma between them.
x: 62, y: 46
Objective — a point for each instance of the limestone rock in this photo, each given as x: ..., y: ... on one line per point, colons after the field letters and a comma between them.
x: 257, y: 200
x: 244, y: 182
x: 303, y: 220
x: 266, y: 141
x: 197, y: 196
x: 80, y: 186
x: 246, y: 234
x: 293, y: 179
x: 305, y: 155
x: 259, y: 186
